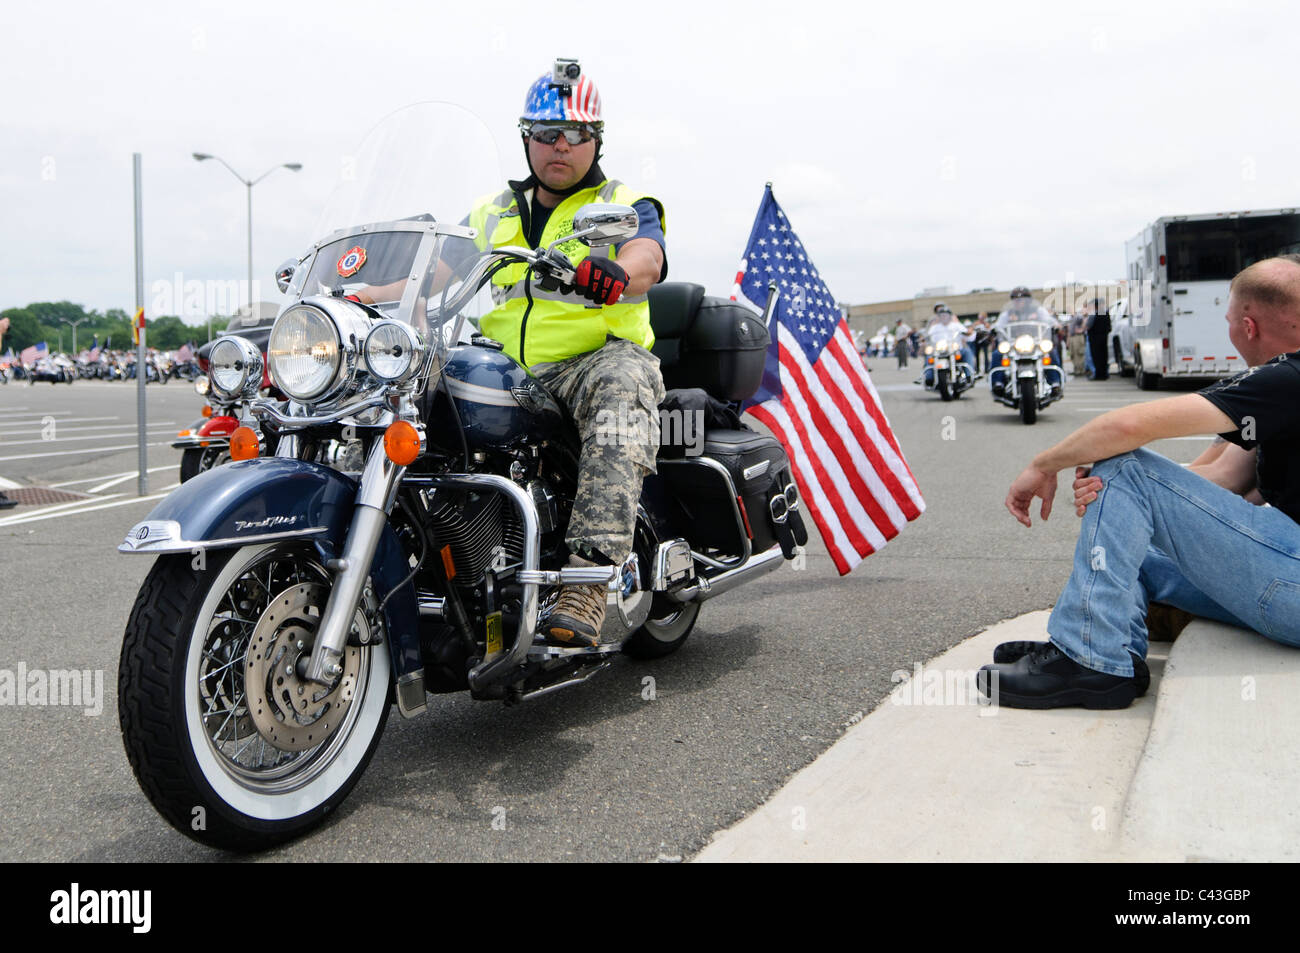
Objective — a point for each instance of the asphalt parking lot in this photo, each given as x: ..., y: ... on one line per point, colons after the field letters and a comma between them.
x: 771, y: 677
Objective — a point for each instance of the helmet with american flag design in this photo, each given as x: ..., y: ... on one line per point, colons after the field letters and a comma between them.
x: 575, y: 99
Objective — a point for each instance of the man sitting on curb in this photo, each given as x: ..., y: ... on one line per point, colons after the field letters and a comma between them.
x: 1153, y: 530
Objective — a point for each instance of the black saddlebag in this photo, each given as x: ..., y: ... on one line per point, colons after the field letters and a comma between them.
x: 739, y: 490
x: 706, y: 342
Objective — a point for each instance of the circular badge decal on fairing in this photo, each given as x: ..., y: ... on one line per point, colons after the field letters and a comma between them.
x: 351, y: 261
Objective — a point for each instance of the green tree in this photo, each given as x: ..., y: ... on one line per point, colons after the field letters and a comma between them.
x: 168, y: 332
x: 25, y: 329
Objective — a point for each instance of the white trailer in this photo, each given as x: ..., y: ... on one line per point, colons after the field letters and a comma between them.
x: 1178, y: 271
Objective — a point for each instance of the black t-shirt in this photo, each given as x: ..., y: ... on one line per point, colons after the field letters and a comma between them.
x: 1263, y: 402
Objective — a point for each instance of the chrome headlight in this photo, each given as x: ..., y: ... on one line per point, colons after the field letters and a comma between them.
x: 201, y: 385
x: 304, y: 352
x: 236, y: 368
x: 1024, y: 344
x: 1004, y: 347
x: 929, y: 349
x: 394, y: 351
x: 942, y: 347
x: 1045, y: 346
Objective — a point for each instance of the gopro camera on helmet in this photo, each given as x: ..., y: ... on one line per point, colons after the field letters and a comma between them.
x: 564, y: 74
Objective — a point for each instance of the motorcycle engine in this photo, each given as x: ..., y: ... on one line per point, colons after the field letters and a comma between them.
x: 482, y: 531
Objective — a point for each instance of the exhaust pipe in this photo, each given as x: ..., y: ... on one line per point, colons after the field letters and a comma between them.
x: 704, y: 589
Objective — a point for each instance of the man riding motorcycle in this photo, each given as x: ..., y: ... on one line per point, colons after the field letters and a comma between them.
x: 590, y: 345
x: 944, y: 325
x: 1021, y: 307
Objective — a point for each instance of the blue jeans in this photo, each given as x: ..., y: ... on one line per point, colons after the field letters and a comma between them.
x: 1157, y: 532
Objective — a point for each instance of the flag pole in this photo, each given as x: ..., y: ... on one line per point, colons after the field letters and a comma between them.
x: 769, y: 309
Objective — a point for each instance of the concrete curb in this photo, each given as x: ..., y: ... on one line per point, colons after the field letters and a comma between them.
x: 1219, y: 778
x: 931, y: 775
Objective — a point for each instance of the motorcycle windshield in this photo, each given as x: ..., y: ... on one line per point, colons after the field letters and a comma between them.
x: 429, y: 158
x: 1035, y: 329
x: 947, y: 334
x: 421, y: 166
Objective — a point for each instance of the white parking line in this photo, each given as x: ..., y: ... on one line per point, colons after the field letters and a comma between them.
x: 124, y: 477
x: 60, y: 439
x: 8, y: 426
x: 55, y: 508
x: 64, y: 453
x: 63, y: 429
x: 106, y: 476
x: 9, y: 484
x: 31, y: 518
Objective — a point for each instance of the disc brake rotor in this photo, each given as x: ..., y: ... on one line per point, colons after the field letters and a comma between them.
x: 289, y: 711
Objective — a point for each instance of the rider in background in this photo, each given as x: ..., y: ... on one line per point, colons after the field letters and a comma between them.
x: 1022, y: 307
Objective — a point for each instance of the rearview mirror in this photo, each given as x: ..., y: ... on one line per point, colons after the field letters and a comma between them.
x: 284, y: 274
x: 600, y: 224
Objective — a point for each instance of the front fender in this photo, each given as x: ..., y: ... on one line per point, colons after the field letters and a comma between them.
x: 274, y: 498
x: 250, y: 501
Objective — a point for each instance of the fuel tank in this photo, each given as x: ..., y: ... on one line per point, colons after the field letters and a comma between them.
x: 500, y: 405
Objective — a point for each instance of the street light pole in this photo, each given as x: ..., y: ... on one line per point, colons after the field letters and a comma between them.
x: 74, y: 332
x: 248, y: 184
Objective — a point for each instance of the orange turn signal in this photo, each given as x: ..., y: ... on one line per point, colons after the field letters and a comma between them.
x: 1047, y: 359
x: 1006, y: 362
x: 402, y: 443
x: 243, y: 444
x: 207, y: 410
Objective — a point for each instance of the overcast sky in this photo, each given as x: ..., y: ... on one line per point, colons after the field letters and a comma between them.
x: 911, y: 144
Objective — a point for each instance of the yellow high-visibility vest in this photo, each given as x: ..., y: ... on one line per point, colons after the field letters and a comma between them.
x: 559, y: 324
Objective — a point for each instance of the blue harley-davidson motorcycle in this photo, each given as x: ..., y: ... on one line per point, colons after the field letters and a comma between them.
x: 407, y: 534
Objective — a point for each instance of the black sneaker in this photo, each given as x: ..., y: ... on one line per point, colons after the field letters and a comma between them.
x: 1009, y: 652
x: 6, y: 503
x: 1047, y: 678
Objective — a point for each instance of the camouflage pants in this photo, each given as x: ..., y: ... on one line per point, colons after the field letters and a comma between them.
x: 614, y: 394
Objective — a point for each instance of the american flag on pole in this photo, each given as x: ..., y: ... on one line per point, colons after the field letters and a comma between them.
x: 818, y: 400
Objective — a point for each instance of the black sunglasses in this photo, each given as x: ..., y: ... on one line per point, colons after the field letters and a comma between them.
x: 548, y: 135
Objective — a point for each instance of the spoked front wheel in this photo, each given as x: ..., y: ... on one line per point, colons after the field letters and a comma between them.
x: 231, y: 744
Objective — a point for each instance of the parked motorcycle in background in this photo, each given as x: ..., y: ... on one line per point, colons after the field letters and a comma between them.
x: 205, y: 443
x: 295, y: 596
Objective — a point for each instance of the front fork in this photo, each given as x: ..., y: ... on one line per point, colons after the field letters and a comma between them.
x: 375, y: 498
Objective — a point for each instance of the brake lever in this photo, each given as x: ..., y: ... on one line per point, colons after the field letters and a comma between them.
x: 553, y: 270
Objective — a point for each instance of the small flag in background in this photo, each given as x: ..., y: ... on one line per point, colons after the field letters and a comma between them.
x: 31, y: 355
x: 818, y: 400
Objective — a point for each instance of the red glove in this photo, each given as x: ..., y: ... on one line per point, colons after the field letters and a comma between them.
x: 600, y: 280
